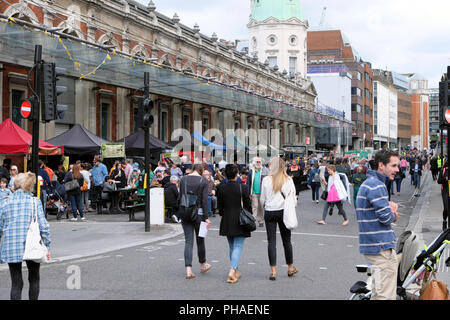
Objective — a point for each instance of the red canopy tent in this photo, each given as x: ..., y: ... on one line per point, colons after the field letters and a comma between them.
x: 15, y: 140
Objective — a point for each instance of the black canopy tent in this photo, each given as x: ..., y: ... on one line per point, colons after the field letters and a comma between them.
x: 79, y: 141
x: 134, y: 144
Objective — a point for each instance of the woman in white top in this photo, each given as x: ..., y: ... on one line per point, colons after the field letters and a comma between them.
x: 275, y: 188
x: 85, y: 194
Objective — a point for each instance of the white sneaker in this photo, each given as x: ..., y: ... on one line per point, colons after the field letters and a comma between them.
x: 83, y: 219
x: 74, y: 219
x: 317, y: 201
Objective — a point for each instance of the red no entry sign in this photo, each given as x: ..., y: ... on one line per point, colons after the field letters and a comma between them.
x: 25, y: 109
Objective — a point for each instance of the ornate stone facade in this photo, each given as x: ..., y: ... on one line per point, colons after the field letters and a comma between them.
x: 142, y: 31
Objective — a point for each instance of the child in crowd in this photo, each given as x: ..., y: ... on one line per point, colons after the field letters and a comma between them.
x: 5, y: 192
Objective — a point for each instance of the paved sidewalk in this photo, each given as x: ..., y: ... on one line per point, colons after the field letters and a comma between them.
x: 100, y: 234
x: 426, y: 220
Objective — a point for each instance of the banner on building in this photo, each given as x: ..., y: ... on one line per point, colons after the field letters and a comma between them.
x: 113, y: 150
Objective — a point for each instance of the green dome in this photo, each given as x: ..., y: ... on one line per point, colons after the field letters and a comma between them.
x: 279, y: 9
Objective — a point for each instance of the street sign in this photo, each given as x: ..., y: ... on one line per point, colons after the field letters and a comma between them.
x: 25, y: 108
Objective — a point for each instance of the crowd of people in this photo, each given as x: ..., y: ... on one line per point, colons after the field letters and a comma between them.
x: 197, y: 192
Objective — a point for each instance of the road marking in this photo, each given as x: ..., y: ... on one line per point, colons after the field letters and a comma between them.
x: 321, y: 244
x: 119, y: 256
x: 251, y: 263
x: 215, y: 261
x: 306, y: 234
x: 323, y: 268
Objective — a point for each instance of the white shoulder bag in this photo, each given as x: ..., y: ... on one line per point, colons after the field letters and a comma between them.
x: 290, y: 213
x: 35, y: 249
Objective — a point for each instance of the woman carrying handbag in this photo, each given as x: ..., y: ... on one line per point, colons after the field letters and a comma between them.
x: 230, y: 199
x: 16, y: 214
x: 275, y: 188
x: 336, y: 194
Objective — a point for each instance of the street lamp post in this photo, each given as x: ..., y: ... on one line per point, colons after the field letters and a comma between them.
x: 147, y: 156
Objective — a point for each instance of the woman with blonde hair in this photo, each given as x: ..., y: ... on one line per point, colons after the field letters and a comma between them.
x: 16, y: 213
x: 275, y: 189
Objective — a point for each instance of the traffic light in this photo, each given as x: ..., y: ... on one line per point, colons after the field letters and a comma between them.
x: 147, y: 106
x: 50, y: 92
x: 444, y: 108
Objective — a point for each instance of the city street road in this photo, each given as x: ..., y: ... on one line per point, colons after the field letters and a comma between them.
x: 325, y: 256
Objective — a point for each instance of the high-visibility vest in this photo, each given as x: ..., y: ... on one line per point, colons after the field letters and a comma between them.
x: 439, y: 162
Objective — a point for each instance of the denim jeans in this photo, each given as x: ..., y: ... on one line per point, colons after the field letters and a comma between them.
x: 85, y: 199
x: 75, y: 200
x: 398, y: 182
x: 416, y: 180
x: 236, y: 245
x: 189, y: 228
x: 315, y: 187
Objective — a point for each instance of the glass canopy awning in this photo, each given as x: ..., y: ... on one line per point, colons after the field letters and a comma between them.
x: 84, y: 61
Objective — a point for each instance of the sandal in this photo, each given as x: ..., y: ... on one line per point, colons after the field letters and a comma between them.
x: 321, y: 222
x: 204, y: 270
x: 232, y: 280
x: 273, y: 277
x: 292, y: 272
x: 190, y: 276
x: 238, y: 275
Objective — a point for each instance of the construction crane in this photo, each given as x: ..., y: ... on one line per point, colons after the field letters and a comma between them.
x: 322, y: 19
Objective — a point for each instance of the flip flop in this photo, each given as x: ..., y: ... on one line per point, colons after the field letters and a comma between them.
x: 190, y: 276
x: 232, y: 280
x: 291, y: 273
x: 206, y: 269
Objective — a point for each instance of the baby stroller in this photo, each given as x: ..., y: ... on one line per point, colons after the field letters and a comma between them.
x: 56, y: 204
x: 413, y: 262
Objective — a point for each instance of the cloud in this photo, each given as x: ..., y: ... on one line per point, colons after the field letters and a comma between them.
x: 403, y: 35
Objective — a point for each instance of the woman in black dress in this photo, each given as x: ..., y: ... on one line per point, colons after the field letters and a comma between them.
x: 296, y: 173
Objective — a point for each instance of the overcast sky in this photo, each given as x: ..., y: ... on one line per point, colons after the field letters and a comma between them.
x: 406, y: 36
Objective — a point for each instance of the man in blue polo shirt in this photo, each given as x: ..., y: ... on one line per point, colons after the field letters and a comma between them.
x: 375, y: 214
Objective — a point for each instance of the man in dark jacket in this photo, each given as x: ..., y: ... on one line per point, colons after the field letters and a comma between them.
x: 171, y: 195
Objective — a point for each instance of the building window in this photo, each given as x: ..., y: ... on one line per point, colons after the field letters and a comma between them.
x: 164, y: 126
x: 135, y: 119
x: 367, y: 110
x: 367, y: 93
x: 272, y: 61
x: 187, y: 122
x: 272, y: 40
x: 205, y: 124
x: 356, y: 107
x: 104, y: 120
x: 16, y: 97
x: 356, y: 92
x: 292, y: 66
x: 375, y: 129
x: 358, y: 75
x: 293, y: 40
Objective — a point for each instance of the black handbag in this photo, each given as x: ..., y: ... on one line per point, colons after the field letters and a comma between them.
x: 324, y: 195
x: 246, y: 219
x: 71, y: 185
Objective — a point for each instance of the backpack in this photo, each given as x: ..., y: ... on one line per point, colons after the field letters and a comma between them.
x: 316, y: 178
x: 188, y: 210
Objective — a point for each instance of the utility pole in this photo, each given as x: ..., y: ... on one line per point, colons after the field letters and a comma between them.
x: 36, y: 112
x: 146, y: 107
